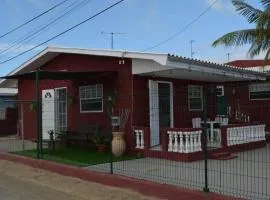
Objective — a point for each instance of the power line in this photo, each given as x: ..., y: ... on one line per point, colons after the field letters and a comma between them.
x: 30, y: 35
x: 67, y: 30
x: 183, y: 29
x: 34, y: 18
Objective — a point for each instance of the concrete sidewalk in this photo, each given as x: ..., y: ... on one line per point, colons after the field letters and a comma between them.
x: 147, y: 188
x: 11, y: 143
x: 247, y: 176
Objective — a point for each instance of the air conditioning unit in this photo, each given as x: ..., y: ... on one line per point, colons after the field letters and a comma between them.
x: 220, y: 91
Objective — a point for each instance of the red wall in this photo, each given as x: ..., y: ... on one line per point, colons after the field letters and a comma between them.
x: 258, y: 110
x: 182, y: 115
x: 120, y: 81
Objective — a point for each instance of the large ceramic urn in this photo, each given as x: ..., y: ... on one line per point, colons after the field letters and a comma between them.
x: 118, y: 144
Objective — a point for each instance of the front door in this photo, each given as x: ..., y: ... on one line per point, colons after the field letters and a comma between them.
x: 48, y: 113
x: 160, y: 109
x: 164, y: 99
x: 54, y: 111
x: 154, y: 113
x: 221, y: 103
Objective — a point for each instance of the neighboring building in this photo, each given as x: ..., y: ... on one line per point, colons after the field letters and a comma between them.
x: 8, y: 111
x: 7, y: 100
x: 255, y: 65
x: 163, y: 93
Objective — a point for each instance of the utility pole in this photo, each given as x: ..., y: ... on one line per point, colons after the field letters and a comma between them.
x: 191, y: 48
x: 112, y: 34
x: 228, y: 57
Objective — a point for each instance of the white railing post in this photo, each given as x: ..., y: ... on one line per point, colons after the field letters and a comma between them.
x: 195, y: 141
x: 137, y: 139
x: 181, y: 145
x: 142, y: 139
x: 175, y: 144
x: 257, y: 133
x: 263, y: 132
x: 199, y: 140
x: 187, y: 145
x: 170, y: 145
x: 191, y: 146
x: 251, y: 131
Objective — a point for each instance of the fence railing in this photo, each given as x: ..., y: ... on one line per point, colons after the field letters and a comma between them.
x: 245, y: 134
x: 184, y: 141
x: 139, y: 138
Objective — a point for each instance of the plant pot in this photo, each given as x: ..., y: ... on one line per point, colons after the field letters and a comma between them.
x: 102, y: 148
x: 118, y: 144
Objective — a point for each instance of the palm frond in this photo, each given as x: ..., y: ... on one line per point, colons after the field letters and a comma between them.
x: 236, y: 38
x: 261, y: 44
x: 267, y: 55
x: 252, y: 14
x: 264, y: 19
x: 266, y: 3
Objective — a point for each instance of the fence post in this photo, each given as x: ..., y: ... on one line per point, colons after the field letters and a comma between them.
x: 109, y: 111
x: 39, y: 139
x: 205, y: 107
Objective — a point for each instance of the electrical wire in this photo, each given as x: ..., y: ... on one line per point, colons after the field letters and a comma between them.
x: 34, y: 18
x: 62, y: 33
x: 31, y: 35
x: 183, y: 29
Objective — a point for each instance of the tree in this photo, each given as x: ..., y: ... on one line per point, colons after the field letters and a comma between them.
x: 258, y: 37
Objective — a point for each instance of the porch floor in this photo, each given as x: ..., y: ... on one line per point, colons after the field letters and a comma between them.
x: 246, y: 176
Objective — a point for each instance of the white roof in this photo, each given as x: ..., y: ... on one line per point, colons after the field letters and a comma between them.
x: 163, y: 59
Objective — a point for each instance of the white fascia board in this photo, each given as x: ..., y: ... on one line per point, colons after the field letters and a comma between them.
x: 204, y: 69
x: 159, y: 58
x: 142, y: 66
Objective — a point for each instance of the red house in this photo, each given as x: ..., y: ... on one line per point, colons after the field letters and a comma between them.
x: 164, y: 94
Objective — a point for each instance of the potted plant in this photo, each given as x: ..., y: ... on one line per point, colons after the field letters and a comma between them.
x: 51, y: 144
x: 101, y: 141
x: 118, y: 141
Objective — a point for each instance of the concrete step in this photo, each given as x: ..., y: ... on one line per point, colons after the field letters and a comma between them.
x: 223, y: 156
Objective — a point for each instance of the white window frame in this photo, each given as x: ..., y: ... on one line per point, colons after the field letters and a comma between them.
x: 94, y: 111
x: 201, y: 97
x: 258, y: 85
x: 221, y: 89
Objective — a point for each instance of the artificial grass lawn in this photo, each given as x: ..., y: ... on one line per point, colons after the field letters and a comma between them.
x: 76, y: 157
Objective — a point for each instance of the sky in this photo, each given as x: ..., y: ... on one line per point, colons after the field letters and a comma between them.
x: 144, y: 23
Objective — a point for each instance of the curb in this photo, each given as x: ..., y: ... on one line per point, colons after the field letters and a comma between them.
x: 148, y: 188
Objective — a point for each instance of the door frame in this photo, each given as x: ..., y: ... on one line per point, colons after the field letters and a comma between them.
x: 171, y: 102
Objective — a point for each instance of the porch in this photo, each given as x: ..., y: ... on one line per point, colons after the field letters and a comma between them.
x: 190, y: 144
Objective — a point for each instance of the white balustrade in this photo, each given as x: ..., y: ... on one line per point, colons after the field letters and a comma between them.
x: 184, y: 141
x: 139, y: 139
x: 170, y: 146
x: 245, y: 134
x: 214, y: 137
x: 175, y: 144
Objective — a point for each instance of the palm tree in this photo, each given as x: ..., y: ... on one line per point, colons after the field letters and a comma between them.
x: 258, y: 37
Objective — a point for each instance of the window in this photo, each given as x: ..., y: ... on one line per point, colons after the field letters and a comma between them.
x: 91, y: 98
x: 195, y: 101
x: 259, y: 91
